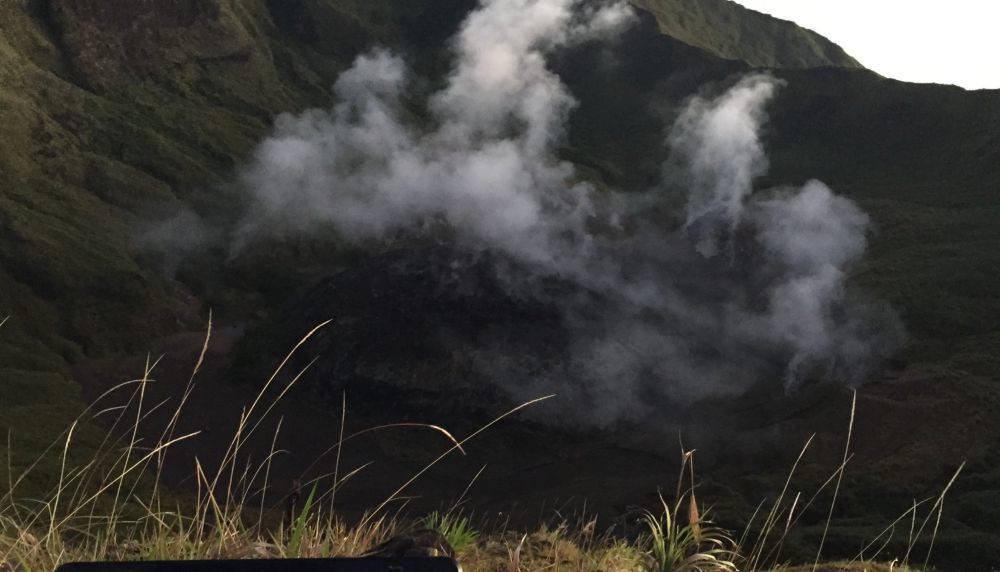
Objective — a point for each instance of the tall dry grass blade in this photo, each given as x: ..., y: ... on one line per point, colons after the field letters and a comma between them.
x: 62, y: 478
x: 242, y: 486
x: 210, y: 501
x: 456, y: 446
x: 135, y: 430
x: 103, y: 448
x: 129, y: 470
x: 939, y: 506
x: 685, y: 457
x: 840, y: 476
x: 447, y: 434
x: 461, y: 498
x: 913, y: 523
x: 749, y: 526
x: 910, y: 511
x: 243, y: 434
x: 791, y: 511
x: 784, y: 534
x: 757, y: 552
x: 236, y: 440
x: 336, y: 446
x: 340, y: 440
x: 4, y: 503
x: 171, y: 426
x: 515, y: 555
x: 244, y: 437
x: 64, y: 523
x: 29, y: 470
x: 815, y: 496
x: 343, y: 480
x: 888, y: 539
x: 267, y: 475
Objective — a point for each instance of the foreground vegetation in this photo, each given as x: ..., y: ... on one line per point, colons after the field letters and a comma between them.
x: 114, y: 507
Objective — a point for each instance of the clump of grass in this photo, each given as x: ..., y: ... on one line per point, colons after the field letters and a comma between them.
x: 681, y: 539
x: 455, y: 528
x: 618, y: 555
x: 559, y: 547
x: 686, y: 545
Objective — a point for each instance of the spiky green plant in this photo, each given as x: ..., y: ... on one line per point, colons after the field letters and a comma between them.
x: 687, y: 545
x: 456, y: 529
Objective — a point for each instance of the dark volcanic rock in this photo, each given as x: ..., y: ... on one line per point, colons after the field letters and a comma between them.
x: 414, y: 330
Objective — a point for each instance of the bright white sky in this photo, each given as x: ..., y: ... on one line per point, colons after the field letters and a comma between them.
x: 928, y: 41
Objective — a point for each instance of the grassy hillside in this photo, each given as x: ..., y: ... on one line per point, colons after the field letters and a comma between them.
x: 730, y: 31
x: 107, y: 125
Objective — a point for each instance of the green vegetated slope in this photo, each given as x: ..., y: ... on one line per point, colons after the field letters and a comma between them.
x: 120, y: 112
x: 111, y: 114
x: 730, y: 31
x: 114, y: 114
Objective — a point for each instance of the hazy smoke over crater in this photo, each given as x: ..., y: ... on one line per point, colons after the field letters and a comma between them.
x: 747, y: 287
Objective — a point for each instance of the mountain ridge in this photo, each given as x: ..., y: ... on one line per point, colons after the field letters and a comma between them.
x: 732, y: 31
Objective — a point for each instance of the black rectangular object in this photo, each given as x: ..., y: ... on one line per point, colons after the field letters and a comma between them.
x: 288, y: 565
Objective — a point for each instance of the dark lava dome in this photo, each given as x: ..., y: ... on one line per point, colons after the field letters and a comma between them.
x: 413, y: 330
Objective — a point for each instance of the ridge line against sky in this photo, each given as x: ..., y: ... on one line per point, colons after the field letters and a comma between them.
x: 922, y: 41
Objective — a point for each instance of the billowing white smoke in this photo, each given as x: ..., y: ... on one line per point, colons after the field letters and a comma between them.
x: 807, y: 238
x: 812, y: 237
x: 750, y: 287
x: 486, y: 168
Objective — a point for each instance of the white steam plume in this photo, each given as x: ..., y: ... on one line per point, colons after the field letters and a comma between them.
x: 750, y: 288
x: 719, y: 144
x: 801, y: 242
x: 486, y: 168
